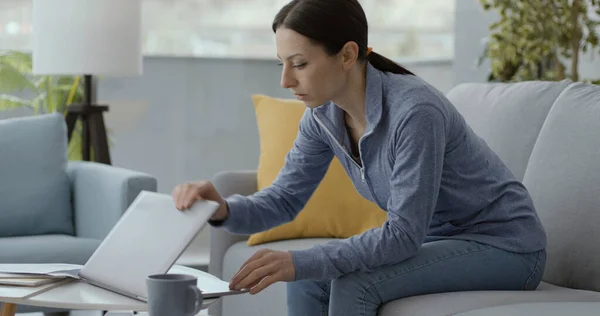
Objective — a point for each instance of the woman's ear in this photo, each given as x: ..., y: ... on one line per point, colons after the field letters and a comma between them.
x: 349, y: 55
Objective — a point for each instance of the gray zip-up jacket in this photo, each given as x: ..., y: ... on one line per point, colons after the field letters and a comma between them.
x: 419, y: 161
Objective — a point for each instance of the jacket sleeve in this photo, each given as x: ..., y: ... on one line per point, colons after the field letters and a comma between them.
x: 304, y: 168
x: 414, y: 184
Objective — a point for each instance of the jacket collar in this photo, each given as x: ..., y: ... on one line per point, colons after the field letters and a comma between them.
x: 333, y: 117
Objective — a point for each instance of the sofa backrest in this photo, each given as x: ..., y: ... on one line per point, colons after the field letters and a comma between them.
x: 548, y: 133
x: 508, y: 116
x: 563, y: 176
x: 34, y: 185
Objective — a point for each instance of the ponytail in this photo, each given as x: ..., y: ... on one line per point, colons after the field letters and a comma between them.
x: 384, y: 64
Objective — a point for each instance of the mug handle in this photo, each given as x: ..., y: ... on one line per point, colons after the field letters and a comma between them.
x: 197, y: 301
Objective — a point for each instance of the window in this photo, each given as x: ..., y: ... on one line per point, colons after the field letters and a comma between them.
x: 15, y: 24
x: 399, y: 29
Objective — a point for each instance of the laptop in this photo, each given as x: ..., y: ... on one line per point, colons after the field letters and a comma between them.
x: 148, y: 239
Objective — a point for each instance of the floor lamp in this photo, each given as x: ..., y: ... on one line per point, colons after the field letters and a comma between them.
x: 87, y: 38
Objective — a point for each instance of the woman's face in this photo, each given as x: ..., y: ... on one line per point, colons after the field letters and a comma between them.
x: 312, y: 75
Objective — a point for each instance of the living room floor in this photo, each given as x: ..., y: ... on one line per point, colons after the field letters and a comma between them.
x: 74, y: 313
x: 94, y: 313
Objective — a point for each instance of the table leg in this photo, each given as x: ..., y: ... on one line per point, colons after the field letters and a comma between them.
x: 8, y: 309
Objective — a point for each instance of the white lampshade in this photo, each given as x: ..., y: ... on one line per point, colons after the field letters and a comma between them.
x: 93, y: 37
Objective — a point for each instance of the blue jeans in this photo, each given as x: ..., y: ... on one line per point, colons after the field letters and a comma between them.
x: 440, y: 266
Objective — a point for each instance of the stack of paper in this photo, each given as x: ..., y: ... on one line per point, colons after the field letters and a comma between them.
x: 34, y: 275
x: 41, y: 269
x: 24, y: 292
x: 26, y: 279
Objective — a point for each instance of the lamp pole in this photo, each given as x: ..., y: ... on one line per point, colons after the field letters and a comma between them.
x: 87, y: 101
x: 94, y: 138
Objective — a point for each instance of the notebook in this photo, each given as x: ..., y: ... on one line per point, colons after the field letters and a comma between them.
x: 146, y: 240
x: 26, y: 280
x: 25, y: 292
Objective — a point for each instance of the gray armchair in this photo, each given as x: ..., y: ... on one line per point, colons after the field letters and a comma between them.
x: 54, y: 210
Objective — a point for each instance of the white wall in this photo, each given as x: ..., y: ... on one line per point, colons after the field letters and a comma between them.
x: 188, y: 118
x: 471, y: 26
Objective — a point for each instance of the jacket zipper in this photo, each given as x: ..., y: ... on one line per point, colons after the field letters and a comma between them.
x: 361, y: 168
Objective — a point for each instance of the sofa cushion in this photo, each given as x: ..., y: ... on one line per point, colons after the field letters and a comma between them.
x: 47, y: 249
x: 508, y: 116
x: 35, y: 188
x: 335, y: 209
x: 270, y: 302
x: 563, y: 177
x: 443, y: 304
x: 546, y: 309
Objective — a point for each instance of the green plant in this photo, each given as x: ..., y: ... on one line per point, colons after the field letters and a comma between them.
x: 42, y: 94
x: 536, y: 39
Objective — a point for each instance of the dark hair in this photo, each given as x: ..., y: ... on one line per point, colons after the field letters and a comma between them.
x: 333, y: 23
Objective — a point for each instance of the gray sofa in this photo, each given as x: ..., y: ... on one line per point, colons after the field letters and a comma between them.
x: 548, y: 133
x: 53, y: 210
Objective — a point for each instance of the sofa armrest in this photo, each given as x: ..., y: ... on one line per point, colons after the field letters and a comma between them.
x: 101, y: 193
x: 228, y: 183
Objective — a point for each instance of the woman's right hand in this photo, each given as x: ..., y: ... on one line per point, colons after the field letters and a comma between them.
x: 184, y: 196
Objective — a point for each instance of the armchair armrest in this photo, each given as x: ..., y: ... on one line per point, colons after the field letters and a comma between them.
x: 101, y: 194
x: 228, y: 183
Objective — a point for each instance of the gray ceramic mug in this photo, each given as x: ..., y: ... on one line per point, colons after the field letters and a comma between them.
x: 173, y: 295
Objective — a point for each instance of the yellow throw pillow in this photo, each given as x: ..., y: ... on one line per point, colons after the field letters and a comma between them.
x: 335, y: 209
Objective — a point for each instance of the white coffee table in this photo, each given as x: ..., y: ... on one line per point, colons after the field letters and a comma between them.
x: 83, y: 296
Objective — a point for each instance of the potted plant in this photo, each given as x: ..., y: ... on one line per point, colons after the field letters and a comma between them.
x: 41, y: 94
x: 540, y: 39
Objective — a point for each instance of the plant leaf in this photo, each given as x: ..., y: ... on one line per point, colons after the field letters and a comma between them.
x: 21, y: 61
x: 9, y: 102
x: 12, y: 80
x: 74, y: 151
x: 39, y: 102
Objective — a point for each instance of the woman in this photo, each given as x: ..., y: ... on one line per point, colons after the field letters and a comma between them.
x: 457, y: 217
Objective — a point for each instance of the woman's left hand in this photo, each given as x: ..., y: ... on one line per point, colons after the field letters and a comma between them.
x: 264, y: 268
